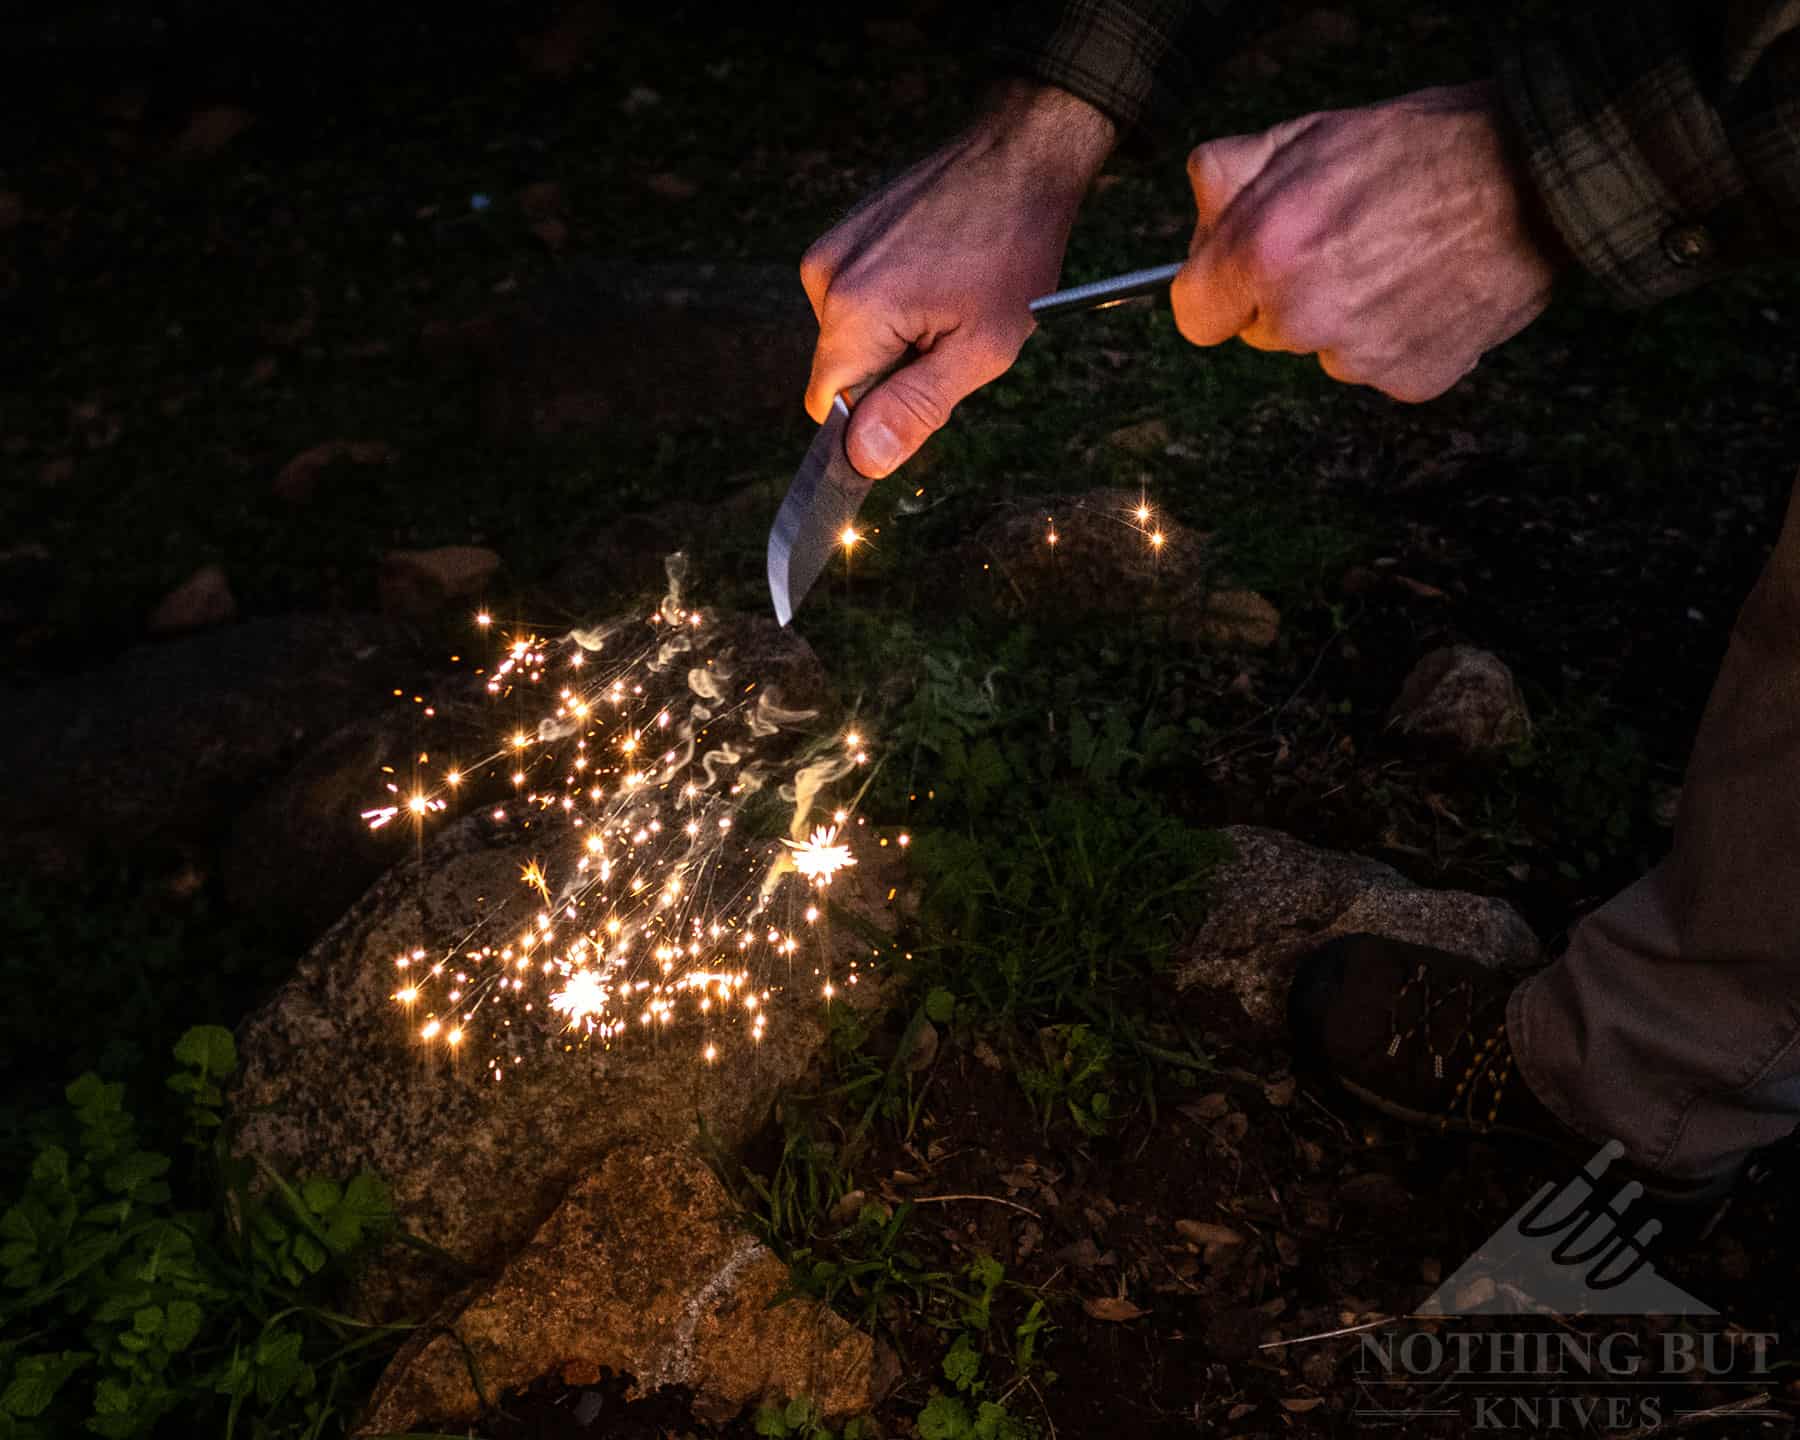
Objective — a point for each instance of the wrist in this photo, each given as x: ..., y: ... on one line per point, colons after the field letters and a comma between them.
x: 1055, y: 138
x: 1534, y: 213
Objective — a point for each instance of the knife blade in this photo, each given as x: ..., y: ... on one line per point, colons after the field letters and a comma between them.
x: 821, y: 505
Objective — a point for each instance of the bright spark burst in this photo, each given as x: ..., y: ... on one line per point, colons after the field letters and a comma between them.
x: 584, y: 996
x: 629, y: 771
x: 819, y: 856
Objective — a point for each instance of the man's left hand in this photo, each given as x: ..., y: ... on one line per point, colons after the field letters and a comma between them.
x: 1397, y: 243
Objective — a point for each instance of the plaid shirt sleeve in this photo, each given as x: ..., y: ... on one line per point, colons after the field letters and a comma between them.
x: 1664, y: 137
x: 1133, y: 59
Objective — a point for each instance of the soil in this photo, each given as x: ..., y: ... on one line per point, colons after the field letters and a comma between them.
x: 1592, y: 505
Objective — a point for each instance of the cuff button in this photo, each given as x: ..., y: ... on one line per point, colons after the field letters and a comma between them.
x: 1688, y: 245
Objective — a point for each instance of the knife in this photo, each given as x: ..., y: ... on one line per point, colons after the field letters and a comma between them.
x: 821, y: 505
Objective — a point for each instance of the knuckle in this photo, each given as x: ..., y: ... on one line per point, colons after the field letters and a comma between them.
x: 994, y: 350
x: 924, y: 402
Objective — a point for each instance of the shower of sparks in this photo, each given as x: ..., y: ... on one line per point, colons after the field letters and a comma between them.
x: 819, y: 856
x: 644, y: 903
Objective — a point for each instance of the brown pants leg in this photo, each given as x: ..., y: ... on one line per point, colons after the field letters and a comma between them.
x: 1672, y: 1022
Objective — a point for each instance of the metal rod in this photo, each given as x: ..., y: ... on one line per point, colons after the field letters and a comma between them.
x: 1097, y: 294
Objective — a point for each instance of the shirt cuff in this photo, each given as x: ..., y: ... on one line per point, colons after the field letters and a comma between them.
x: 1122, y: 59
x: 1632, y: 162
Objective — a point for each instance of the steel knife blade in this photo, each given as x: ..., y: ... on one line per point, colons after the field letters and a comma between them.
x: 822, y: 503
x: 819, y: 506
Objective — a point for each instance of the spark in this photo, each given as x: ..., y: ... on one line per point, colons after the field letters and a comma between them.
x: 849, y: 537
x: 584, y: 996
x: 819, y: 857
x: 639, y: 927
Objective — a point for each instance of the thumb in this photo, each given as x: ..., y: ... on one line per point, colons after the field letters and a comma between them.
x: 893, y: 420
x: 1212, y: 296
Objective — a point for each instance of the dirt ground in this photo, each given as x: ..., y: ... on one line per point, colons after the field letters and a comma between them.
x: 208, y: 274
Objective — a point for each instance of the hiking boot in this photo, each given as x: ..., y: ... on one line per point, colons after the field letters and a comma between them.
x: 1421, y: 1035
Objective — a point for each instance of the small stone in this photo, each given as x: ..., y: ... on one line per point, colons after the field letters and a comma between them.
x: 421, y: 582
x: 1239, y: 618
x: 553, y: 232
x: 672, y: 186
x: 1463, y: 698
x: 210, y: 130
x: 298, y: 481
x: 203, y: 599
x: 561, y: 47
x: 1147, y: 437
x: 543, y: 200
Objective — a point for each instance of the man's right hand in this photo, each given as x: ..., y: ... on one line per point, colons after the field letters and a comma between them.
x: 944, y: 261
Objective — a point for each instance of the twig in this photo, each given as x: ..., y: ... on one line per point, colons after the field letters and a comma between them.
x: 1755, y: 1402
x: 1335, y: 1120
x: 1339, y: 1334
x: 991, y: 1199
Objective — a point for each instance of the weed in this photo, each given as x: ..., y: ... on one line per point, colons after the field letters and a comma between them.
x: 800, y: 1419
x: 123, y: 1306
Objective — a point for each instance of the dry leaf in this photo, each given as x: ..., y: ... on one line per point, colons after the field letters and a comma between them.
x: 1112, y: 1307
x: 1204, y: 1232
x: 1300, y: 1407
x: 673, y: 187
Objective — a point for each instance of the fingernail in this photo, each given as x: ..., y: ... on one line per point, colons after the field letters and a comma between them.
x: 880, y: 447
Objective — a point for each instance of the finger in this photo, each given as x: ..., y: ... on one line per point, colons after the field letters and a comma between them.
x: 855, y: 342
x: 1414, y: 385
x: 899, y: 415
x: 1342, y: 368
x: 1212, y: 296
x: 817, y: 266
x: 1220, y: 169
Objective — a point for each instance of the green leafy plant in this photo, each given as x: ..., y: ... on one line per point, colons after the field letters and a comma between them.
x: 965, y: 1410
x: 123, y: 1305
x: 1076, y: 1078
x: 800, y: 1419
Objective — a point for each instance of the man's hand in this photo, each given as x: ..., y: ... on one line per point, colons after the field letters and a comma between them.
x: 945, y: 261
x: 1395, y: 242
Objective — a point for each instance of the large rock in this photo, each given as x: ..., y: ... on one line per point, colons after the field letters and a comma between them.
x: 1280, y: 898
x: 1463, y: 699
x: 421, y: 1036
x: 299, y: 854
x: 1110, y: 552
x: 644, y: 1270
x: 167, y: 741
